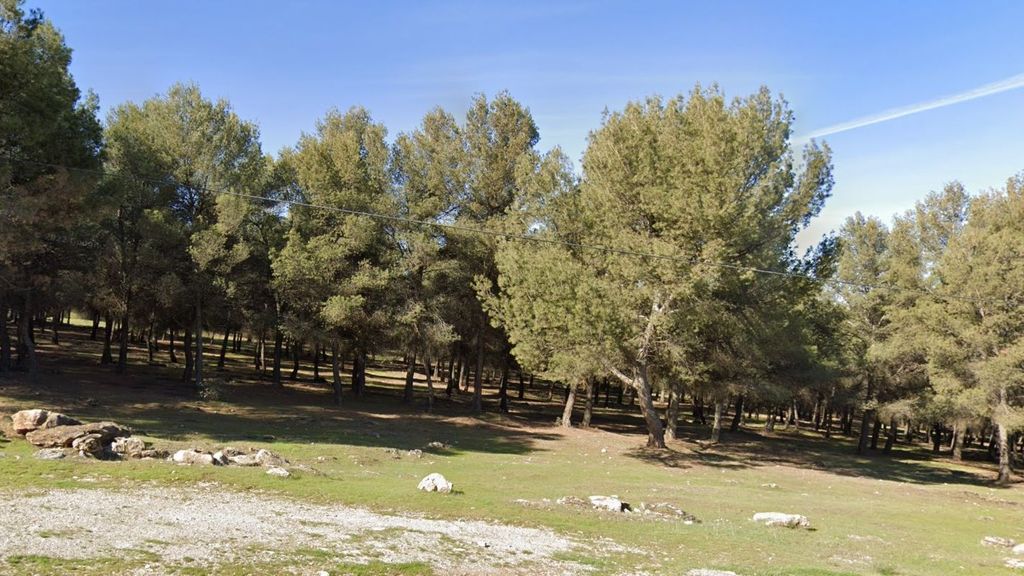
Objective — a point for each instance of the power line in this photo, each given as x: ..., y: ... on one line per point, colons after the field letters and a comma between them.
x: 496, y: 233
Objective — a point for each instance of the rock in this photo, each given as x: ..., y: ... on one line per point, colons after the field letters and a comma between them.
x: 128, y: 447
x: 1018, y: 550
x: 63, y: 436
x: 781, y: 519
x: 435, y: 483
x: 244, y: 460
x: 1015, y: 563
x: 415, y: 453
x: 998, y: 542
x: 26, y: 421
x: 435, y: 445
x: 193, y: 456
x: 666, y: 509
x: 154, y: 454
x: 609, y: 503
x: 571, y: 501
x: 323, y: 573
x: 710, y: 572
x: 279, y: 472
x: 90, y: 445
x: 770, y: 485
x: 220, y: 458
x: 50, y: 454
x: 268, y: 458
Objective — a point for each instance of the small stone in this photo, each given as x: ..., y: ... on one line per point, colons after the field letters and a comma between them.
x: 570, y: 501
x: 782, y: 519
x: 279, y: 472
x: 483, y: 544
x: 998, y: 542
x: 50, y: 454
x: 435, y: 483
x: 611, y: 503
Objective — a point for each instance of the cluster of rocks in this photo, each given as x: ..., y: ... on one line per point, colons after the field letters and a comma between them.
x: 229, y: 456
x: 657, y: 510
x: 782, y: 519
x: 59, y: 435
x: 1015, y: 549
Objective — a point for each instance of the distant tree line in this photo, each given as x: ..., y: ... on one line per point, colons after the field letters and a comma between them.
x: 666, y: 268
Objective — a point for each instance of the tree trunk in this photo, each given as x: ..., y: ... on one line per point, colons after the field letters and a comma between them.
x: 503, y: 386
x: 478, y: 390
x: 278, y: 341
x: 189, y: 358
x: 522, y: 386
x: 430, y: 382
x: 867, y: 420
x: 296, y: 358
x: 410, y: 376
x: 108, y: 336
x: 199, y: 343
x: 359, y: 373
x: 737, y: 418
x: 316, y: 362
x: 890, y: 438
x: 122, y: 350
x: 223, y: 349
x: 655, y: 433
x: 1003, y: 477
x: 875, y: 429
x: 671, y: 414
x: 336, y: 372
x: 170, y: 348
x: 588, y: 406
x: 55, y: 335
x: 958, y: 442
x: 716, y: 426
x: 936, y: 438
x: 95, y: 325
x: 5, y: 338
x: 570, y: 401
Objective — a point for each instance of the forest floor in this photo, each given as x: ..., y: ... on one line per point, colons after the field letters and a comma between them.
x: 351, y: 505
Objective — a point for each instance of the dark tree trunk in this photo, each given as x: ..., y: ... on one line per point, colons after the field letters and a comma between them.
x: 570, y: 401
x: 671, y: 414
x: 522, y: 386
x: 108, y: 335
x: 359, y: 373
x: 5, y: 338
x: 588, y: 406
x: 122, y: 349
x: 936, y: 438
x: 737, y: 417
x: 189, y: 356
x: 199, y: 343
x: 503, y: 386
x: 410, y: 378
x: 1003, y: 476
x: 223, y: 349
x: 95, y: 325
x: 876, y: 427
x: 55, y: 335
x: 316, y: 363
x: 170, y: 348
x: 958, y: 442
x: 890, y: 438
x: 296, y: 358
x: 478, y: 387
x: 336, y: 372
x: 278, y: 341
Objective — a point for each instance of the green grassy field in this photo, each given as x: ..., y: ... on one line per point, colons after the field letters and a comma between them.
x: 908, y: 514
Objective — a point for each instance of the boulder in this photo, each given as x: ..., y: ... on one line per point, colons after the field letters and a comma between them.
x: 128, y: 447
x: 220, y: 458
x: 154, y: 454
x: 26, y: 421
x: 90, y: 445
x: 782, y: 519
x: 50, y: 454
x: 1018, y: 550
x: 998, y: 542
x: 278, y: 471
x: 64, y: 436
x: 1015, y: 563
x: 244, y: 460
x: 193, y: 456
x: 710, y: 572
x: 435, y: 483
x: 268, y: 458
x: 611, y: 503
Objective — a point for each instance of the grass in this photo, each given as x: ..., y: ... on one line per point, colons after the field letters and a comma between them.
x: 911, y: 514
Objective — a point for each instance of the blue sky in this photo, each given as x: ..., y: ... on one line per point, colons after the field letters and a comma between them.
x: 283, y: 64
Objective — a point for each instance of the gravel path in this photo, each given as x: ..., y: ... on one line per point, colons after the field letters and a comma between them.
x: 212, y: 525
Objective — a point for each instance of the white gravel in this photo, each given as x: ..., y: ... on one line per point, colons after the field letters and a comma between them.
x: 212, y: 525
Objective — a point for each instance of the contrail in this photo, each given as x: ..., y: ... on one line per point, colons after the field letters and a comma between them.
x: 1011, y: 83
